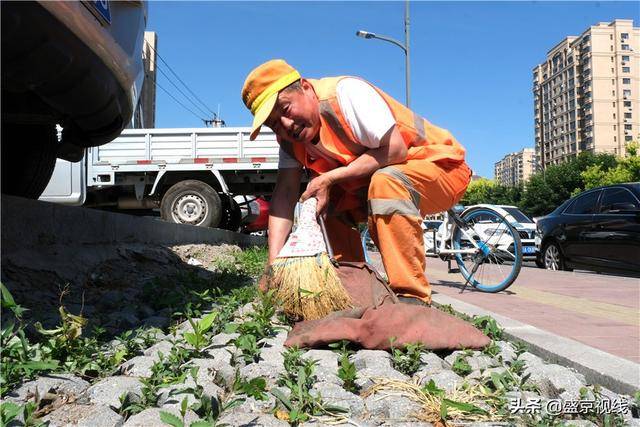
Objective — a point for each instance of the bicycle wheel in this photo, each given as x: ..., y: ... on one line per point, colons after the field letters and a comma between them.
x: 496, y: 263
x: 370, y: 249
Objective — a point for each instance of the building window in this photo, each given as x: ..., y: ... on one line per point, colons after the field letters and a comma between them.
x: 626, y: 69
x: 614, y: 104
x: 628, y: 138
x: 625, y: 57
x: 627, y: 103
x: 624, y: 36
x: 628, y: 127
x: 614, y: 115
x: 614, y: 127
x: 626, y: 81
x: 613, y: 93
x: 627, y: 115
x: 624, y: 47
x: 626, y: 93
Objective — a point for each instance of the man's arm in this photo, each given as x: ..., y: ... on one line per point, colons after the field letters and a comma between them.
x: 283, y: 202
x: 392, y: 150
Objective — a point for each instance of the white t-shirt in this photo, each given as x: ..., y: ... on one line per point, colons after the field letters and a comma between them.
x: 364, y: 110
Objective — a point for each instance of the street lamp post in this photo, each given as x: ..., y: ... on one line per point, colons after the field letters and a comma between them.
x: 404, y: 47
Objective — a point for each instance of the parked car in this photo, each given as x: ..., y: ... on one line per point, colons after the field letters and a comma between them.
x: 598, y: 230
x: 68, y: 63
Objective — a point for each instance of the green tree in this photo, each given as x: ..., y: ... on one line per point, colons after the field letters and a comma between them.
x: 626, y: 170
x: 488, y: 191
x: 478, y: 192
x: 544, y: 192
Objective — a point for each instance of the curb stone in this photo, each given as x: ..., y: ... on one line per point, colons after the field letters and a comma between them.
x: 598, y: 367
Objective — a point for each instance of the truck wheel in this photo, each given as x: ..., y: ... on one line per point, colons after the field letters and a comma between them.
x: 191, y: 202
x: 28, y: 158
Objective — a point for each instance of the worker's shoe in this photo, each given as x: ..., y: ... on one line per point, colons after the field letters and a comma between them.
x: 412, y: 301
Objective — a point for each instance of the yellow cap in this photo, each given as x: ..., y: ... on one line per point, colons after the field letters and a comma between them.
x: 260, y: 89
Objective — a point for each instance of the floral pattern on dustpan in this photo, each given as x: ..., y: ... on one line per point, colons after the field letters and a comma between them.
x: 307, y: 239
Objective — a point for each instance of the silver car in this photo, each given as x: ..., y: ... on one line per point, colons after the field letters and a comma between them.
x: 68, y: 63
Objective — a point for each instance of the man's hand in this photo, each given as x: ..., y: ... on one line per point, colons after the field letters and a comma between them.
x: 319, y: 188
x: 263, y: 283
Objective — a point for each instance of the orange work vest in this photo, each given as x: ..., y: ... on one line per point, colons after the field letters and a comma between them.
x: 423, y: 140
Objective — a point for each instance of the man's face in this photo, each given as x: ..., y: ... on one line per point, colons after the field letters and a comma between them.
x: 296, y: 117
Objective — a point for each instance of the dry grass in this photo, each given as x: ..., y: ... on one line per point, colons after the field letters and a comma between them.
x: 308, y: 288
x: 431, y: 404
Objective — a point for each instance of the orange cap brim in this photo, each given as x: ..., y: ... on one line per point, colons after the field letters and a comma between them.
x: 262, y: 114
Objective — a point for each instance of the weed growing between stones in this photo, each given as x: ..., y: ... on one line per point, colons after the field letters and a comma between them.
x: 20, y: 360
x: 460, y: 365
x: 489, y: 326
x: 492, y: 350
x: 299, y: 378
x: 257, y: 327
x: 10, y: 412
x: 438, y: 406
x: 69, y: 348
x: 346, y: 368
x: 163, y: 374
x: 200, y: 337
x: 207, y: 407
x: 407, y: 359
x: 255, y: 387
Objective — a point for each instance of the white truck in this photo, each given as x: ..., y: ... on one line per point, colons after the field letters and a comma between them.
x: 200, y: 176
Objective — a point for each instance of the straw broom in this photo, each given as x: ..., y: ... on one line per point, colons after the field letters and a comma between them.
x: 306, y: 283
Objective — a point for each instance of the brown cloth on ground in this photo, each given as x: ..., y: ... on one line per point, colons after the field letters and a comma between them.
x: 377, y: 318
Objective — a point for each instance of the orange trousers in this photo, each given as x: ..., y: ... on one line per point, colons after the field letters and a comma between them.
x: 399, y: 197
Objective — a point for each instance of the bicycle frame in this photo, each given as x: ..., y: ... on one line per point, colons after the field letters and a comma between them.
x: 439, y: 245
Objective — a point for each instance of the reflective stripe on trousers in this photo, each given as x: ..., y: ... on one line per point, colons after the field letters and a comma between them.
x: 399, y: 197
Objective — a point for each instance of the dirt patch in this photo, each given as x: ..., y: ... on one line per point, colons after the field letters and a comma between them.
x: 103, y: 282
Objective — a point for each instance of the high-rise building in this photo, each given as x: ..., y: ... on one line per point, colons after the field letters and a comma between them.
x: 145, y: 113
x: 586, y: 93
x: 515, y: 168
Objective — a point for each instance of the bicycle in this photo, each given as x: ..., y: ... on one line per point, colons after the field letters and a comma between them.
x: 483, y: 243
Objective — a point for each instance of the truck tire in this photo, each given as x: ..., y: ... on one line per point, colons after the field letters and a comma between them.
x: 191, y: 202
x: 28, y: 158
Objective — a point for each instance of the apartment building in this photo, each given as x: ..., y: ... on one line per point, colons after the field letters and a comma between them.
x: 515, y: 168
x: 586, y: 93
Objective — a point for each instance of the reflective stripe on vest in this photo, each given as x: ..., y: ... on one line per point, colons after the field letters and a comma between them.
x: 423, y: 140
x: 418, y: 123
x: 331, y: 118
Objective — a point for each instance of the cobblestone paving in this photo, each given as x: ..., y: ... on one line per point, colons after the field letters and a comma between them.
x: 382, y: 396
x: 98, y: 404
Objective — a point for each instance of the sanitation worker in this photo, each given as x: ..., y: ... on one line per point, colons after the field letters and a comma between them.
x: 369, y: 157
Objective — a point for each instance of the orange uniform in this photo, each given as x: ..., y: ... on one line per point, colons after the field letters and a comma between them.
x: 395, y: 199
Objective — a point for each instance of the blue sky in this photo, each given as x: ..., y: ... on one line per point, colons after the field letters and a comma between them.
x: 471, y: 62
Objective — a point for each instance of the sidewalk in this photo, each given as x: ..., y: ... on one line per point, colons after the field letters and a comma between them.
x: 599, y: 311
x: 585, y: 321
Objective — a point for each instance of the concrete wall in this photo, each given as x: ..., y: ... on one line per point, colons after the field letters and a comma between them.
x: 28, y: 223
